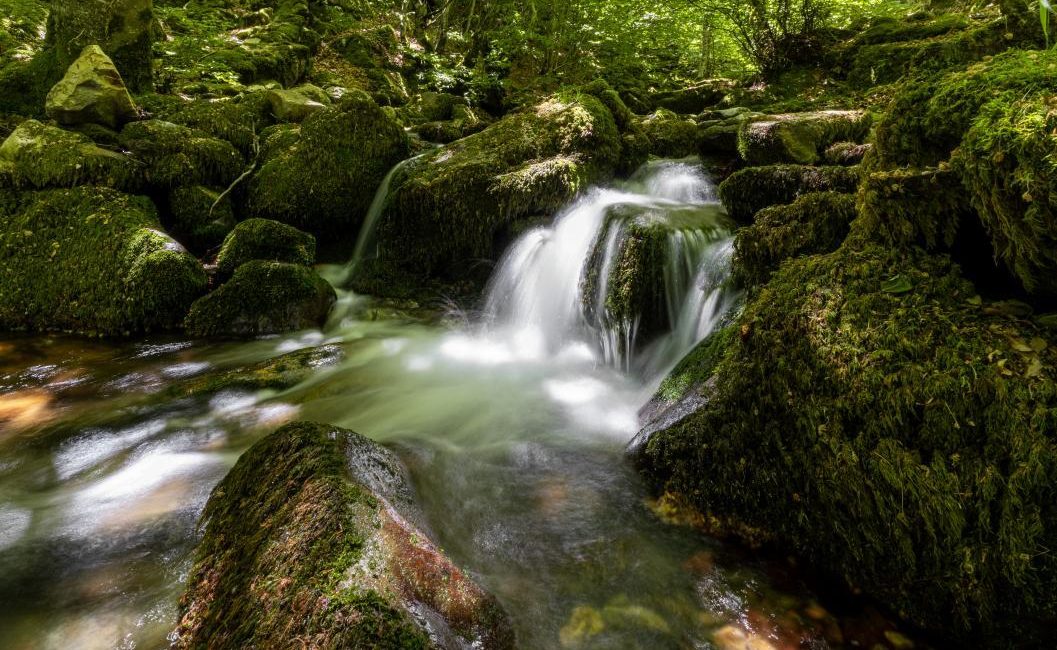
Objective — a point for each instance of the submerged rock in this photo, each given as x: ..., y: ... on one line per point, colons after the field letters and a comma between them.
x: 91, y: 260
x: 750, y: 190
x: 92, y: 92
x: 313, y: 535
x: 261, y: 239
x: 263, y: 298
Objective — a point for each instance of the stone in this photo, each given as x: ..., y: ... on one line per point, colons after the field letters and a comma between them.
x: 297, y: 104
x: 42, y: 156
x: 262, y: 239
x: 123, y: 29
x: 91, y: 92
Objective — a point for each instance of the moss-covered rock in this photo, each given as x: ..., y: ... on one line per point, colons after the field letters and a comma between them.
x: 671, y: 136
x: 238, y: 120
x: 447, y: 207
x: 695, y: 98
x: 91, y: 92
x: 41, y: 156
x: 719, y: 139
x: 903, y: 439
x: 297, y: 104
x: 91, y: 260
x: 322, y: 176
x: 814, y: 223
x: 122, y: 27
x: 174, y: 155
x: 925, y: 207
x: 465, y: 122
x: 749, y: 190
x: 846, y: 153
x: 262, y: 239
x: 799, y: 137
x: 310, y: 537
x: 200, y: 217
x: 263, y: 298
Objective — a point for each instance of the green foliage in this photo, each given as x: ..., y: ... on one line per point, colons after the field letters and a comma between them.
x: 750, y: 190
x: 262, y: 239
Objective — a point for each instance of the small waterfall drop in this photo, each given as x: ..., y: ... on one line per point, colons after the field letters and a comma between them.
x: 557, y: 286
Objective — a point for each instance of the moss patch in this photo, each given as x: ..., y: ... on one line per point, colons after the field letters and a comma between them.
x: 749, y: 190
x: 41, y: 156
x: 174, y: 155
x: 261, y: 239
x: 799, y: 137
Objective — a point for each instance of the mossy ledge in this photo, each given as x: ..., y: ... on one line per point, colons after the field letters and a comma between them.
x: 304, y: 545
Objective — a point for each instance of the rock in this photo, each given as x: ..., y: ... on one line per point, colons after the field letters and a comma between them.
x: 297, y: 104
x: 846, y: 153
x: 41, y: 156
x: 447, y: 207
x: 278, y: 373
x: 912, y: 206
x: 263, y: 298
x: 671, y: 136
x: 897, y: 436
x: 432, y: 107
x: 314, y: 535
x: 695, y: 99
x: 748, y: 191
x: 201, y: 218
x: 814, y: 223
x: 322, y: 176
x: 799, y: 137
x: 261, y: 239
x: 719, y: 139
x: 731, y: 637
x: 91, y: 92
x: 91, y: 260
x: 123, y: 29
x: 175, y: 155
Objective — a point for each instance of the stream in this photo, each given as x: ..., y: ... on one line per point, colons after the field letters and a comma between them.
x: 512, y: 421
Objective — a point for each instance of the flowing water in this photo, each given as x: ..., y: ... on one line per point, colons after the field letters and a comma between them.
x: 512, y: 422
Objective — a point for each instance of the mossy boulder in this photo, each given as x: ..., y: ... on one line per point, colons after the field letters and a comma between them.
x: 174, y: 155
x: 447, y: 207
x: 799, y: 137
x: 313, y: 535
x: 750, y: 190
x: 693, y: 99
x: 200, y: 217
x: 465, y: 122
x: 671, y: 136
x: 297, y: 104
x: 903, y: 439
x: 322, y: 176
x: 40, y: 156
x: 263, y: 298
x: 122, y: 27
x: 719, y: 139
x: 262, y: 239
x: 846, y: 153
x: 91, y: 92
x: 925, y: 207
x: 91, y: 260
x: 814, y: 223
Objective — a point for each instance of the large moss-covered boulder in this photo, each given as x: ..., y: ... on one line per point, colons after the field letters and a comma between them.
x: 41, y: 156
x: 903, y: 438
x: 750, y: 190
x: 263, y: 298
x: 91, y: 260
x: 799, y: 137
x: 925, y: 207
x: 123, y: 29
x: 91, y: 92
x: 200, y: 217
x: 814, y: 223
x: 262, y: 239
x: 313, y: 536
x: 174, y: 155
x: 447, y: 207
x: 297, y: 104
x: 322, y: 176
x: 671, y: 136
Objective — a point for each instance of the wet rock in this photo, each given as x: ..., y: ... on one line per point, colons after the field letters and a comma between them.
x: 91, y: 260
x: 748, y: 191
x: 41, y: 156
x: 799, y: 138
x: 314, y: 535
x: 122, y: 29
x: 91, y: 92
x: 731, y: 637
x: 201, y: 217
x: 297, y: 104
x: 263, y: 298
x: 261, y: 239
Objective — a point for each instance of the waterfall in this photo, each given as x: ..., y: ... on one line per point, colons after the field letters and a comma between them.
x: 553, y: 289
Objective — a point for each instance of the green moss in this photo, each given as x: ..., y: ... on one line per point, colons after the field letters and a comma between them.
x: 199, y: 217
x: 670, y: 135
x: 41, y: 156
x: 262, y: 298
x: 91, y: 260
x: 279, y: 373
x: 903, y: 439
x: 175, y: 155
x: 324, y: 180
x: 1007, y: 165
x: 694, y: 370
x: 720, y: 139
x: 238, y: 120
x: 447, y: 207
x: 814, y: 223
x: 283, y: 529
x: 749, y: 190
x: 261, y: 239
x: 123, y: 29
x: 911, y: 206
x: 846, y: 153
x: 799, y: 137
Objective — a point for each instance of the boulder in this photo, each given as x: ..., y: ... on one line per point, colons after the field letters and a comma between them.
x: 91, y: 260
x: 91, y: 92
x: 262, y: 239
x: 749, y: 190
x: 174, y: 155
x: 263, y: 298
x: 321, y: 176
x: 846, y: 153
x: 297, y: 104
x: 41, y: 156
x: 314, y: 534
x: 671, y: 136
x: 694, y: 99
x: 123, y: 29
x: 799, y: 138
x: 903, y: 439
x: 200, y: 217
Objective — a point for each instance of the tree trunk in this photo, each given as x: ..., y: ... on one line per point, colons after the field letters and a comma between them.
x: 123, y: 28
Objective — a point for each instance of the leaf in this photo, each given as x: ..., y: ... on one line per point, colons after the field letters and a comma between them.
x: 1034, y: 368
x: 975, y: 301
x: 897, y: 284
x: 1038, y: 344
x: 1020, y: 345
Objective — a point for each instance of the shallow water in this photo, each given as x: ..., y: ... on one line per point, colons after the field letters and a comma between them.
x: 512, y: 427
